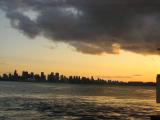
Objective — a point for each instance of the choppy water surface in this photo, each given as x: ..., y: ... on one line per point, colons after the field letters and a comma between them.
x: 39, y: 101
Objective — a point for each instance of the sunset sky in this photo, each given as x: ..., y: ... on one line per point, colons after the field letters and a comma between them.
x: 85, y: 51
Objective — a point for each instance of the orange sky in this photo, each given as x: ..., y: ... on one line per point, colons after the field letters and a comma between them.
x: 22, y: 53
x: 63, y: 58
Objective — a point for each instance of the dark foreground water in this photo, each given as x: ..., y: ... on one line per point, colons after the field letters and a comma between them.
x: 44, y: 101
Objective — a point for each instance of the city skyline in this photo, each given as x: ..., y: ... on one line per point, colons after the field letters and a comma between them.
x: 79, y: 59
x: 129, y: 60
x: 56, y: 77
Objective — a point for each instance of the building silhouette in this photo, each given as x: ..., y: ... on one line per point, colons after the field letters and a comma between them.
x: 57, y: 78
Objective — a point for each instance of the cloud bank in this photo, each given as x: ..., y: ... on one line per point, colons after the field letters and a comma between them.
x: 91, y: 26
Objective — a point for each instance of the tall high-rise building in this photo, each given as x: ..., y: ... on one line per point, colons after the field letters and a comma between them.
x: 158, y: 89
x: 25, y: 75
x: 15, y: 76
x: 56, y: 77
x: 43, y: 77
x: 15, y: 73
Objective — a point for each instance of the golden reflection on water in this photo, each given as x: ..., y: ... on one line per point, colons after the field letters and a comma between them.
x: 69, y: 101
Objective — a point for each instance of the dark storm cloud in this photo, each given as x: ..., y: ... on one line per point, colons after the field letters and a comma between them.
x: 23, y: 23
x: 91, y: 26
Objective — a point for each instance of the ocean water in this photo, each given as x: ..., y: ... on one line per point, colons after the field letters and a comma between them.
x: 49, y: 101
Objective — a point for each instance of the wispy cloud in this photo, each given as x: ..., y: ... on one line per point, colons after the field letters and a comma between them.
x: 137, y: 75
x: 120, y: 76
x: 3, y: 63
x: 49, y: 47
x: 114, y: 77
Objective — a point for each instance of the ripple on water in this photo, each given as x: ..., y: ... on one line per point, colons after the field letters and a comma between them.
x: 26, y: 101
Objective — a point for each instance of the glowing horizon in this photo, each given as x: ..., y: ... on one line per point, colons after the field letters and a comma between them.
x: 40, y: 54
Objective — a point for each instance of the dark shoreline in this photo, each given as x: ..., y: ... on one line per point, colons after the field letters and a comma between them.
x: 124, y: 84
x: 60, y: 78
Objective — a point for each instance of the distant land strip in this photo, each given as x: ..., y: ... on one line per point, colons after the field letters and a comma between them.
x: 57, y: 78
